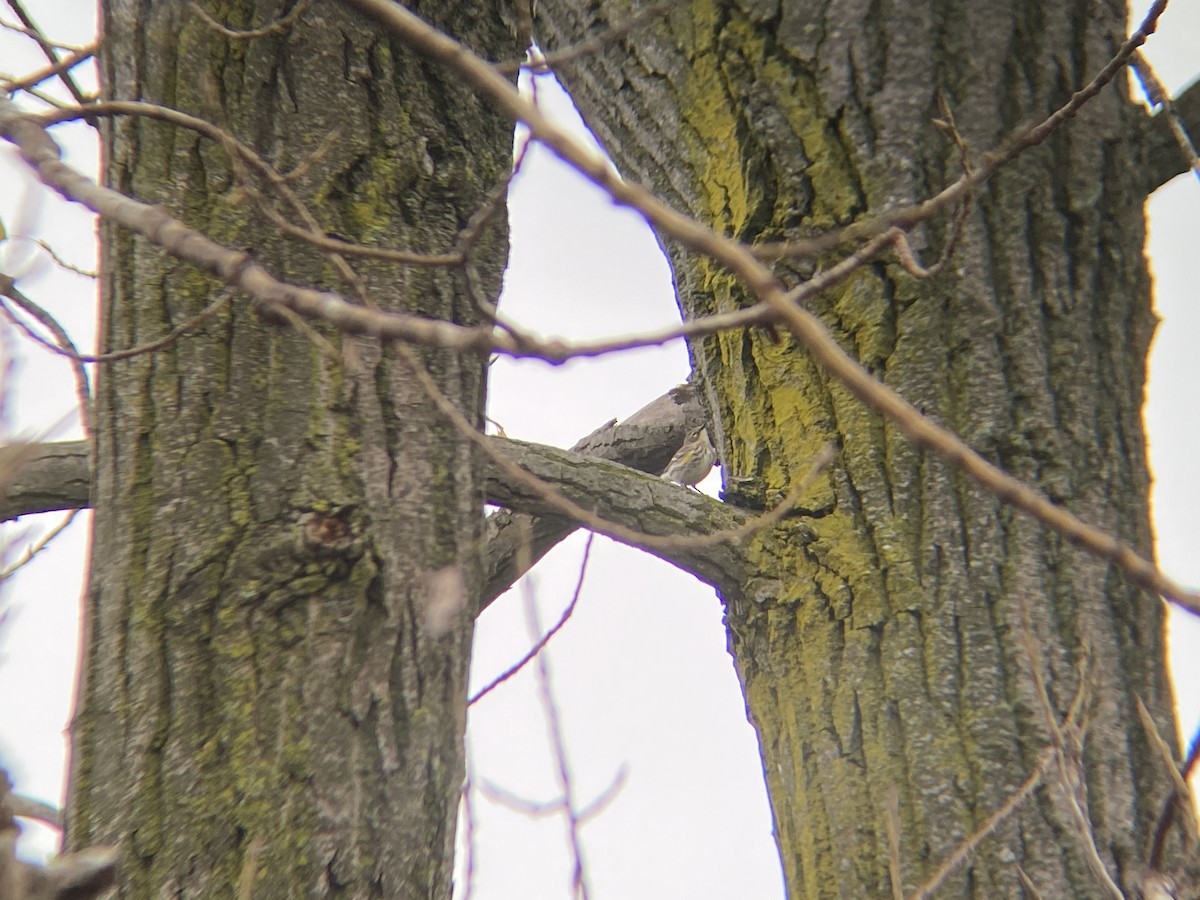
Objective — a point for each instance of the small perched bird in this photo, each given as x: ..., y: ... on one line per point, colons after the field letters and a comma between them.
x: 693, y: 461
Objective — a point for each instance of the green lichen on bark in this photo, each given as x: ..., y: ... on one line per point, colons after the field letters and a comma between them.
x: 884, y: 651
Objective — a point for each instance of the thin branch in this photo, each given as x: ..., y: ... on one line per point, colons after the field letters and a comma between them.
x: 281, y: 25
x: 965, y: 850
x: 469, y: 830
x: 605, y: 798
x: 545, y: 638
x: 558, y: 747
x: 1067, y: 740
x: 1164, y: 752
x: 65, y: 346
x: 185, y: 327
x: 1027, y: 883
x: 1180, y: 798
x: 49, y: 99
x: 21, y: 29
x: 544, y: 62
x: 525, y: 807
x: 34, y: 549
x: 54, y: 256
x: 48, y: 49
x: 25, y: 82
x: 28, y: 808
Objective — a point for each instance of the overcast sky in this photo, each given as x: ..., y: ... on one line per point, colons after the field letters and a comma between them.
x: 641, y: 674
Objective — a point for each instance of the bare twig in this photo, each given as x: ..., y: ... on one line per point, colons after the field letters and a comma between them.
x: 63, y: 342
x: 279, y: 26
x: 558, y: 748
x: 1028, y: 885
x: 48, y: 49
x: 25, y: 82
x: 28, y: 32
x: 174, y: 334
x: 605, y: 798
x: 30, y: 552
x: 1067, y: 738
x: 54, y: 256
x: 544, y: 62
x: 966, y: 849
x: 469, y: 830
x: 1063, y: 753
x: 545, y: 638
x: 1180, y: 798
x: 1165, y: 754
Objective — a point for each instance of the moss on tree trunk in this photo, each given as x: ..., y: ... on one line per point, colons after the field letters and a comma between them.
x: 885, y: 655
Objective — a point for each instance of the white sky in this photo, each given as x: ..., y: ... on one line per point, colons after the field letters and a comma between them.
x: 641, y: 674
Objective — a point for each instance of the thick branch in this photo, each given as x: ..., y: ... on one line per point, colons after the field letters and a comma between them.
x: 645, y: 441
x: 72, y: 876
x: 615, y: 493
x: 1165, y: 159
x: 38, y: 478
x: 48, y: 477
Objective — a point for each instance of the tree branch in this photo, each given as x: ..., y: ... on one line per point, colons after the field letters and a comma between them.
x: 54, y: 476
x: 647, y: 505
x: 71, y: 876
x: 1164, y: 157
x: 37, y: 478
x: 645, y: 441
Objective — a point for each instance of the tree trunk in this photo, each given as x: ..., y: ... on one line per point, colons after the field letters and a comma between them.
x: 286, y: 535
x: 887, y: 655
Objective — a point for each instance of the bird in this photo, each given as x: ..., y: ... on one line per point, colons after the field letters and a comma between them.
x: 693, y: 461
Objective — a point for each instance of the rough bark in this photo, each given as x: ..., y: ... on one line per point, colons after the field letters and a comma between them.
x: 274, y: 688
x: 886, y: 654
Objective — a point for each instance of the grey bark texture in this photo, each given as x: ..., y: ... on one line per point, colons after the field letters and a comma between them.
x: 274, y: 683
